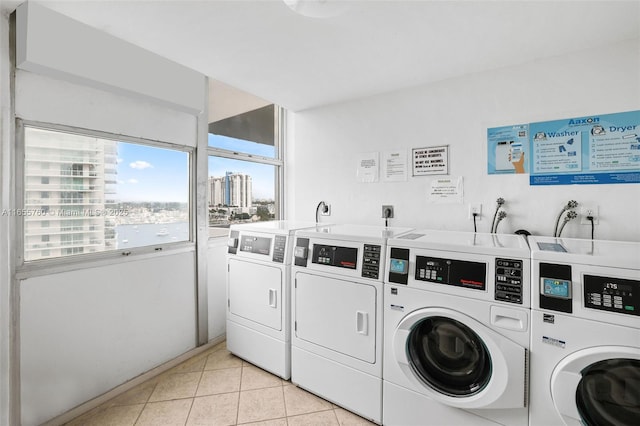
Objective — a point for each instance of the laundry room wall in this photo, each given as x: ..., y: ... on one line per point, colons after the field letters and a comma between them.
x: 325, y: 144
x: 87, y: 327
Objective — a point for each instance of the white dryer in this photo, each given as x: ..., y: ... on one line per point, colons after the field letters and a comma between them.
x: 456, y: 329
x: 258, y: 293
x: 336, y: 343
x: 585, y: 332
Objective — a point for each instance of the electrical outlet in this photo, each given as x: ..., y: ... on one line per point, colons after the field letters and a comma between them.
x: 387, y: 212
x: 588, y: 210
x: 326, y: 211
x: 475, y: 208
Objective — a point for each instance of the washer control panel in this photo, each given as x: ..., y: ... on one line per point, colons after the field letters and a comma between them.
x: 618, y: 295
x: 508, y: 280
x: 460, y: 273
x: 371, y: 261
x: 341, y: 257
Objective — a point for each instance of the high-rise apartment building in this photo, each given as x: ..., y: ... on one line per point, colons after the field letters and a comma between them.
x: 69, y: 188
x: 233, y: 189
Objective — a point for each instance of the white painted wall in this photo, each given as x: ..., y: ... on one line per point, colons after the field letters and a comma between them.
x: 217, y: 287
x: 326, y: 141
x: 84, y: 332
x: 6, y: 254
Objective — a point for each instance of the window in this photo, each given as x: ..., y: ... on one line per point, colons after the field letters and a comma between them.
x: 102, y: 193
x: 245, y: 169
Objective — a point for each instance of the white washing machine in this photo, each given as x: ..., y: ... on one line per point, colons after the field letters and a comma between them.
x: 258, y: 293
x: 585, y: 332
x: 456, y: 329
x: 336, y: 343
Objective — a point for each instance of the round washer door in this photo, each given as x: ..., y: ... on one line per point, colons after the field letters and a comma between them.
x: 598, y: 386
x: 458, y: 361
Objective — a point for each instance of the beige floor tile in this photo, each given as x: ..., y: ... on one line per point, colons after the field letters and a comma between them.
x: 347, y: 418
x: 322, y: 418
x: 165, y: 413
x: 274, y: 422
x: 222, y: 359
x: 137, y: 395
x: 214, y: 410
x: 299, y: 401
x: 176, y: 386
x: 193, y: 365
x: 219, y: 381
x: 261, y: 404
x: 122, y: 415
x: 256, y: 378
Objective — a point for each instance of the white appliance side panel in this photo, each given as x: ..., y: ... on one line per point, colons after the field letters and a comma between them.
x: 255, y: 292
x: 336, y: 314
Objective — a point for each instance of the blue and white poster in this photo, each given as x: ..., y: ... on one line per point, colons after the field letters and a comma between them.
x: 586, y: 150
x: 508, y: 149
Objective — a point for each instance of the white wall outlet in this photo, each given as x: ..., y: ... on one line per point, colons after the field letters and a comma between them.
x: 326, y: 210
x: 475, y: 208
x: 589, y: 210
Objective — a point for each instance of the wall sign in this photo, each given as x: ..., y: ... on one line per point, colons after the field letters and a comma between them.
x: 508, y: 149
x: 583, y: 150
x: 586, y: 150
x: 431, y: 161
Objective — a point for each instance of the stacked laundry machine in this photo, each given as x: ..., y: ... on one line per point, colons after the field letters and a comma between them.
x: 258, y: 293
x: 456, y: 329
x: 585, y: 341
x: 336, y: 343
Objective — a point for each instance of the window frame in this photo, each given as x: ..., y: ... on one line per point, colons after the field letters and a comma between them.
x: 277, y: 161
x: 38, y: 267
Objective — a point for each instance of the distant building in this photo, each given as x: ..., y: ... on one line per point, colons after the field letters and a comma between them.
x: 69, y: 182
x: 233, y: 189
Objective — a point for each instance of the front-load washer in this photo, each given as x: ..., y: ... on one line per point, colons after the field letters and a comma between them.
x: 336, y: 342
x: 456, y: 329
x: 585, y: 332
x: 258, y: 293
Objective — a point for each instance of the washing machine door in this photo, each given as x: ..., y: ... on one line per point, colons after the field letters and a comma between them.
x: 598, y: 386
x: 458, y: 361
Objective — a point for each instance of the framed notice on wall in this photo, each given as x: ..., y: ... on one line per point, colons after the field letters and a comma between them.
x: 432, y: 160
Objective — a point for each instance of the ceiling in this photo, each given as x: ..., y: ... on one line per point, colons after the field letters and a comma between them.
x: 371, y: 47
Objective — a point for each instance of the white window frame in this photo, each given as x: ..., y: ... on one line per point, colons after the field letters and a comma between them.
x: 277, y: 160
x: 37, y: 267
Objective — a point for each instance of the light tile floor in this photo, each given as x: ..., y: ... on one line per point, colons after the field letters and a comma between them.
x: 217, y: 388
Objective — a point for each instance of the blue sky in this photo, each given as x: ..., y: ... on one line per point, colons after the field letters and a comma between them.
x: 148, y: 173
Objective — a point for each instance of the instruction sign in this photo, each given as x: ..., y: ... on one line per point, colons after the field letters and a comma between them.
x: 586, y: 150
x: 431, y: 161
x: 508, y: 149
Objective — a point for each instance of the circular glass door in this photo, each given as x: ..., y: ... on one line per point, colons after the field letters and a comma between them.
x: 609, y: 393
x: 448, y: 356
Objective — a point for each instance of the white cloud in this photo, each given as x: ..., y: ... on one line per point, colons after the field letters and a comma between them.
x: 139, y: 164
x: 133, y: 181
x: 119, y: 160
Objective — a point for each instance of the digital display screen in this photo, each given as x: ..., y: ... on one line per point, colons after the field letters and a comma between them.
x: 399, y: 266
x: 556, y: 288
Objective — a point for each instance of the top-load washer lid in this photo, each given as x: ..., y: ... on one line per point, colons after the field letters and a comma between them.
x: 359, y: 233
x: 464, y: 242
x: 287, y: 227
x: 613, y: 254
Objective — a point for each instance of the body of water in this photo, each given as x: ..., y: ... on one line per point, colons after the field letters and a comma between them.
x: 148, y: 234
